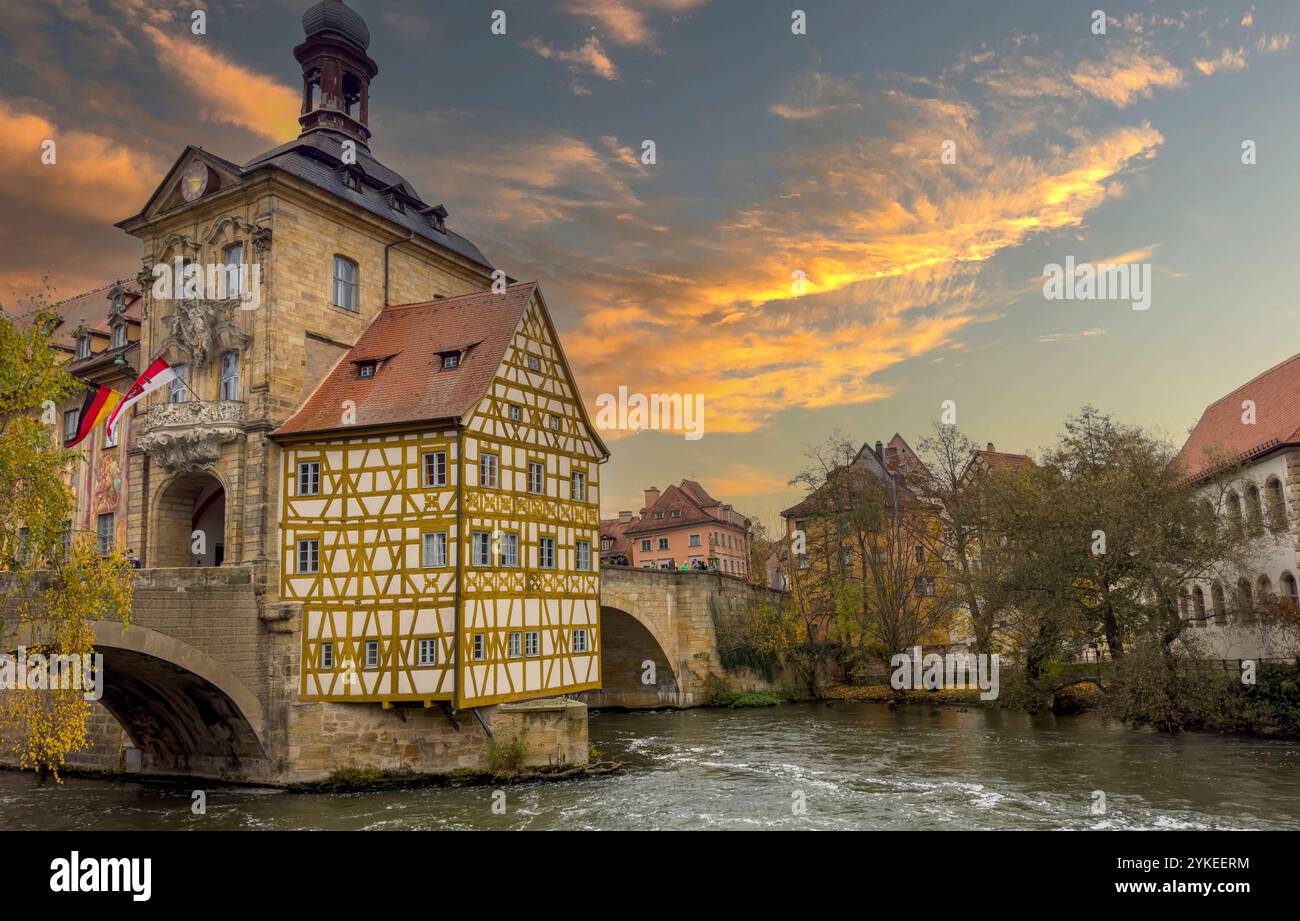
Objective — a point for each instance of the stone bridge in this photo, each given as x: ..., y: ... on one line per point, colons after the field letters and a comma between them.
x: 665, y: 618
x: 203, y: 682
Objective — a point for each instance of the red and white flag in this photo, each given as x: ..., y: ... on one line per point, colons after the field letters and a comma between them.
x: 156, y: 375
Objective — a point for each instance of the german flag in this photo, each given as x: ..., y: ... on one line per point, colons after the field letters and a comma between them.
x: 99, y: 404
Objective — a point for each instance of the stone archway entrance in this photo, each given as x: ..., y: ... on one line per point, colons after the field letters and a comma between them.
x: 188, y: 527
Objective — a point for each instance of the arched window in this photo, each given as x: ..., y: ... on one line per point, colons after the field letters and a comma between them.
x: 1276, y: 504
x: 1244, y: 599
x: 1220, y: 604
x: 1254, y: 511
x: 1182, y: 602
x: 1233, y: 506
x: 1198, y: 606
x: 1264, y: 589
x: 345, y: 283
x: 1290, y: 594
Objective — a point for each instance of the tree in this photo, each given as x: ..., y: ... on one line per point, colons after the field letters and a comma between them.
x: 967, y: 492
x: 58, y: 582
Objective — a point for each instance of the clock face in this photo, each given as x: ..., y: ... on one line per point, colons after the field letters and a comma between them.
x: 194, y: 181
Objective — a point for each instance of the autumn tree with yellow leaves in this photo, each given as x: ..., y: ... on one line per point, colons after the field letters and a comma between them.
x: 55, y: 583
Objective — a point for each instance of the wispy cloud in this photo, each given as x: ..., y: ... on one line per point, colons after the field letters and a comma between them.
x: 589, y: 58
x: 230, y: 93
x: 628, y: 22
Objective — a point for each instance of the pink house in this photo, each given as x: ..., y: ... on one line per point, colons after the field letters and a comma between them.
x: 686, y: 527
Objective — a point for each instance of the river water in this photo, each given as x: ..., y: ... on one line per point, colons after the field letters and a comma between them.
x: 843, y: 765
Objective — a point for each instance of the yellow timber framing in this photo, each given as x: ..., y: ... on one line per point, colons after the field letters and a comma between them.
x: 382, y: 591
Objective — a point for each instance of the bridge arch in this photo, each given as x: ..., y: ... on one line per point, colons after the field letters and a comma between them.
x: 183, y: 709
x: 628, y: 642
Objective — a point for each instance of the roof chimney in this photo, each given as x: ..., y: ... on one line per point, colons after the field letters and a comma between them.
x: 880, y: 451
x: 624, y: 517
x: 991, y: 449
x: 651, y: 497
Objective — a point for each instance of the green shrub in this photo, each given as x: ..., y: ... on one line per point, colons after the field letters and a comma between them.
x: 505, y: 757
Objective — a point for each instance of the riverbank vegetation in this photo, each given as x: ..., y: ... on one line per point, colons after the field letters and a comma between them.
x: 1085, y: 570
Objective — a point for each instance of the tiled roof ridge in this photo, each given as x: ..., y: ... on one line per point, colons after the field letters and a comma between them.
x: 1253, y: 380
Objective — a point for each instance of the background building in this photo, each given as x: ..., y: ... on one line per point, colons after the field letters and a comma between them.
x: 684, y: 525
x: 1252, y: 436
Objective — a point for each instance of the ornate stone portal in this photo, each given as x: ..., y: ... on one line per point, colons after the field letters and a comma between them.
x: 187, y: 437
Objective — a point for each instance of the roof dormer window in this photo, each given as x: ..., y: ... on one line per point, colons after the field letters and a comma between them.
x: 119, y: 335
x: 83, y: 346
x: 366, y: 369
x: 450, y: 361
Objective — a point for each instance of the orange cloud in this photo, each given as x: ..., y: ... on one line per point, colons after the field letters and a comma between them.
x: 231, y: 93
x: 1126, y: 75
x: 94, y: 177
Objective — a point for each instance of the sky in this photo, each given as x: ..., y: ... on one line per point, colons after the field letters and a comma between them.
x: 841, y: 229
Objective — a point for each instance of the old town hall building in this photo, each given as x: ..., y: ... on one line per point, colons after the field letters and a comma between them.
x: 379, y: 424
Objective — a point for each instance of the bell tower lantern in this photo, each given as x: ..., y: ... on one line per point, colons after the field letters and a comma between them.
x: 336, y: 71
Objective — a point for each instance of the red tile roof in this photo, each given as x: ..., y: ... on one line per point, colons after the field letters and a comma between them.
x: 615, y: 529
x: 1221, y: 437
x: 674, y: 498
x: 410, y: 385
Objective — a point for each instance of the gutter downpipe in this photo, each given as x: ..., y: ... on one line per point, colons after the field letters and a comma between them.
x: 387, y: 246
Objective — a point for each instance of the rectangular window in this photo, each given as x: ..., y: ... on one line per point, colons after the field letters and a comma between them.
x: 365, y: 369
x: 65, y: 540
x: 555, y: 423
x: 345, y: 283
x: 510, y: 550
x: 104, y: 533
x: 372, y: 653
x: 229, y: 376
x: 478, y: 647
x: 536, y: 478
x: 695, y: 540
x: 481, y: 549
x: 546, y: 553
x: 309, y: 478
x: 663, y: 543
x: 119, y: 335
x: 533, y: 363
x: 435, y: 469
x: 308, y: 556
x: 516, y: 644
x: 487, y: 471
x: 428, y: 652
x: 516, y: 413
x: 645, y: 545
x: 233, y: 258
x: 579, y: 640
x: 176, y: 387
x: 110, y: 435
x: 435, y: 551
x: 579, y: 487
x: 451, y: 362
x: 532, y: 643
x: 582, y: 555
x: 71, y: 422
x: 326, y: 655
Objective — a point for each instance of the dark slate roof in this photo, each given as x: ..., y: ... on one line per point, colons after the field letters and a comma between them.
x: 336, y: 16
x: 317, y: 157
